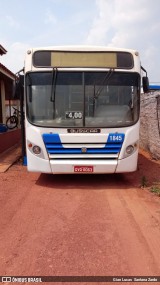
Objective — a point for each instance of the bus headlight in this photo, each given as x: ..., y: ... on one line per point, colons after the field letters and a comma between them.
x: 36, y: 149
x: 130, y: 149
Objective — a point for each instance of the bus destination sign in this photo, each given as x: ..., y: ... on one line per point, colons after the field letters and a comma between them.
x: 84, y: 130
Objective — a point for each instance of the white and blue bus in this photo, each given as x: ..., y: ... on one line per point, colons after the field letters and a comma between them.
x: 82, y: 107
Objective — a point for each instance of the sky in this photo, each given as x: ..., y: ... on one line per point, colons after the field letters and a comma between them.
x: 131, y: 24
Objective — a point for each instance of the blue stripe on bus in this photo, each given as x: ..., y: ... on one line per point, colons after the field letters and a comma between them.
x: 54, y: 146
x: 51, y: 138
x: 116, y: 138
x: 79, y: 151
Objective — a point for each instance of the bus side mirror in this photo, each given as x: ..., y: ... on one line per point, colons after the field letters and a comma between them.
x: 145, y: 84
x: 18, y: 88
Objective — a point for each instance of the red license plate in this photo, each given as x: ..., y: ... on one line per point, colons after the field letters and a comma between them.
x: 83, y: 169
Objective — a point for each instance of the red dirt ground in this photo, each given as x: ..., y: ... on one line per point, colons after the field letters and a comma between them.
x: 82, y: 225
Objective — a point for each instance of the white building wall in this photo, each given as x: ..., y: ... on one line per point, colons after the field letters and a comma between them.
x: 150, y: 123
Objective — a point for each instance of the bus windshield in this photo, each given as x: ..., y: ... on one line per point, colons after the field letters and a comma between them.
x: 82, y: 98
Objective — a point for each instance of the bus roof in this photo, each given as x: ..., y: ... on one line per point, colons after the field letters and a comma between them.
x: 83, y: 48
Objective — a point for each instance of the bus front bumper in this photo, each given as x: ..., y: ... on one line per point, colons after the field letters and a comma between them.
x: 128, y: 164
x: 92, y: 166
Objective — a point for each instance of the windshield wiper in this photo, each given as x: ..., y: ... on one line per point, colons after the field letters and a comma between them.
x: 103, y: 83
x: 53, y: 84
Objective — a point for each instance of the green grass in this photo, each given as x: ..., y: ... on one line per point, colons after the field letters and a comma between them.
x: 155, y: 189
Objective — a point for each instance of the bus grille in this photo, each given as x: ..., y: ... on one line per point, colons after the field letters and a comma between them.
x: 56, y: 149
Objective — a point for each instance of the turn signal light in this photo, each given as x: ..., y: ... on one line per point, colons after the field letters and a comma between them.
x: 29, y: 145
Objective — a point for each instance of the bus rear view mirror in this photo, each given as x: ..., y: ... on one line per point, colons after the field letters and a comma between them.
x: 145, y: 84
x: 18, y: 87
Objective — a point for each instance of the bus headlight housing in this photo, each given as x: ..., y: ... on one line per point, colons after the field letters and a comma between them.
x: 35, y: 149
x: 130, y: 149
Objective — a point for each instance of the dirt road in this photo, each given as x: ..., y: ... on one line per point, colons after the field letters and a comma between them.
x: 79, y: 225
